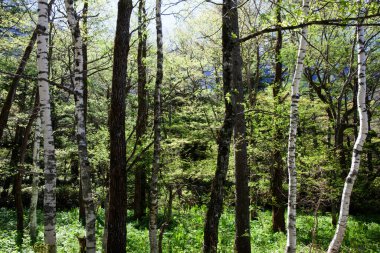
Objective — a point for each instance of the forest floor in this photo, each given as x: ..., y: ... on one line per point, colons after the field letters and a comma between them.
x: 186, y: 233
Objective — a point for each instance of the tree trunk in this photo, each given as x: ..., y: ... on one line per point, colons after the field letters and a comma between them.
x: 17, y: 181
x: 49, y: 150
x: 82, y: 211
x: 105, y: 231
x: 215, y: 205
x: 358, y: 147
x: 157, y: 135
x: 15, y: 81
x: 85, y: 169
x: 292, y: 173
x: 35, y: 181
x: 242, y: 218
x: 117, y: 232
x: 142, y: 113
x: 277, y: 167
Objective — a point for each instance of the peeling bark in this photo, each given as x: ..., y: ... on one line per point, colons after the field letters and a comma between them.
x: 47, y: 130
x: 337, y: 240
x: 85, y: 169
x: 295, y: 96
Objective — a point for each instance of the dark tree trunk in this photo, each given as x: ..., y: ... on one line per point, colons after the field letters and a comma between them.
x: 17, y: 77
x: 117, y: 231
x: 17, y: 181
x: 242, y: 217
x: 215, y: 205
x: 15, y: 82
x: 277, y: 167
x: 142, y: 113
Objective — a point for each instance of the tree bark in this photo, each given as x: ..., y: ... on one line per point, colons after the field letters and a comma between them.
x: 157, y: 135
x: 142, y: 112
x: 242, y: 218
x: 49, y: 150
x: 17, y: 181
x: 215, y: 206
x: 277, y: 167
x: 82, y: 212
x: 117, y: 232
x: 292, y: 173
x: 85, y: 169
x: 358, y: 147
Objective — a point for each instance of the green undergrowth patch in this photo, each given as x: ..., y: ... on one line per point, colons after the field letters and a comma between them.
x: 185, y: 233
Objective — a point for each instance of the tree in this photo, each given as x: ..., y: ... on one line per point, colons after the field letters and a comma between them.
x: 242, y: 215
x: 230, y: 52
x: 49, y: 150
x: 277, y: 166
x: 142, y: 111
x: 336, y: 242
x: 292, y: 174
x: 157, y: 135
x: 116, y: 238
x: 85, y: 169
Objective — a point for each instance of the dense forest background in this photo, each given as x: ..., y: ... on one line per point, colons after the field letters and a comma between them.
x: 154, y: 103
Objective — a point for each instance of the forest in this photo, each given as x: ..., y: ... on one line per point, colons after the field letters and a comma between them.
x: 190, y: 126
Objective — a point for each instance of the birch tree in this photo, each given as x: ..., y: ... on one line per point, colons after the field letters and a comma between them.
x: 292, y: 191
x: 85, y: 169
x: 362, y: 135
x: 47, y: 130
x: 157, y: 135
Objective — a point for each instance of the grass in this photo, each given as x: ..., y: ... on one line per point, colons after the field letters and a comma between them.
x: 186, y: 233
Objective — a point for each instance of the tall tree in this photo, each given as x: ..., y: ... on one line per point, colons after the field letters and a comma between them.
x: 142, y: 111
x: 230, y: 50
x: 336, y: 242
x: 82, y: 212
x: 157, y: 135
x: 117, y: 232
x: 242, y: 217
x: 47, y: 130
x: 292, y: 191
x: 85, y: 169
x: 277, y: 167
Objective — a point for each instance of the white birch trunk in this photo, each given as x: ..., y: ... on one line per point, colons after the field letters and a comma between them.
x: 363, y: 131
x: 35, y: 181
x: 81, y: 128
x: 49, y: 150
x: 292, y: 191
